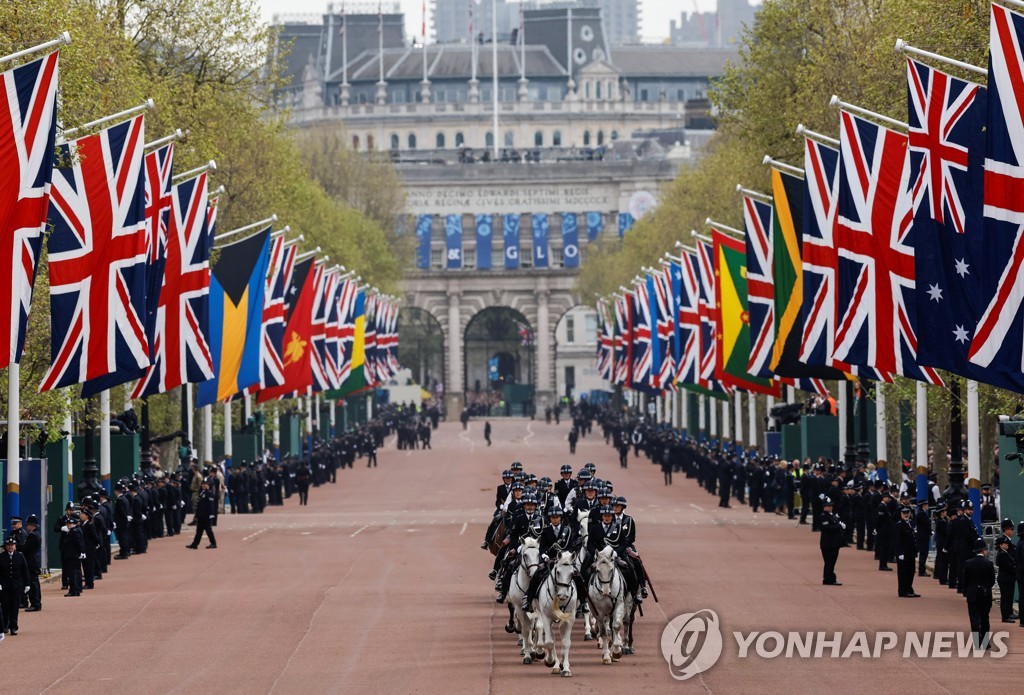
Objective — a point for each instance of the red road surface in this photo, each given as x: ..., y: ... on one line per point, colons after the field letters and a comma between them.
x: 379, y: 586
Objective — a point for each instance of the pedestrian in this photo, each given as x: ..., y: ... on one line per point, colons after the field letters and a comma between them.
x: 33, y: 546
x: 206, y: 516
x: 302, y: 476
x: 1006, y: 562
x: 832, y: 528
x: 573, y: 439
x: 979, y: 578
x: 14, y: 583
x: 666, y: 467
x: 487, y: 432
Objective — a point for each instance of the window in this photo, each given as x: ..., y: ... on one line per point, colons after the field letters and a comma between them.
x: 600, y: 138
x: 355, y: 142
x: 510, y: 139
x: 412, y: 141
x: 369, y: 143
x: 394, y: 141
x: 538, y: 139
x: 556, y: 139
x: 591, y: 335
x: 489, y: 139
x: 436, y: 258
x: 615, y: 135
x: 459, y: 139
x: 586, y: 138
x: 598, y: 90
x: 586, y: 89
x: 439, y: 141
x: 570, y: 330
x: 643, y: 95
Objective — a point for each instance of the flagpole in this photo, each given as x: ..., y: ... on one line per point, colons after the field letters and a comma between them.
x: 178, y: 134
x: 294, y: 241
x: 881, y: 446
x: 246, y: 228
x: 494, y: 69
x: 105, y: 439
x: 722, y: 227
x: 860, y: 111
x: 63, y: 40
x: 127, y: 113
x: 782, y: 166
x: 12, y: 500
x: 801, y: 129
x: 207, y: 434
x: 713, y: 421
x: 750, y: 193
x: 738, y: 415
x: 309, y: 421
x: 752, y: 418
x: 905, y: 48
x: 701, y: 412
x: 228, y: 444
x: 209, y: 166
x: 973, y: 447
x: 921, y: 434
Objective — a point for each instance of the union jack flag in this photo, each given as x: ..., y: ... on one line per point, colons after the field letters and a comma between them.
x: 686, y: 288
x: 159, y: 164
x: 999, y: 339
x: 623, y: 340
x: 28, y: 123
x: 605, y: 341
x: 642, y: 330
x: 875, y: 310
x: 323, y: 286
x: 389, y: 342
x: 279, y: 277
x: 370, y: 339
x: 333, y: 352
x: 182, y: 353
x: 97, y: 257
x: 346, y: 330
x: 757, y: 217
x: 664, y: 324
x: 708, y: 313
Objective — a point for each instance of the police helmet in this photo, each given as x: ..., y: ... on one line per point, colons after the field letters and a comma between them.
x: 516, y: 466
x: 555, y: 511
x: 518, y: 486
x: 607, y: 509
x: 529, y: 499
x: 590, y: 467
x: 826, y: 501
x: 566, y: 469
x: 507, y: 474
x: 620, y: 500
x: 545, y: 482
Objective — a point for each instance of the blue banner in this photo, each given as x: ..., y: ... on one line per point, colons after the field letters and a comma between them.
x: 484, y: 227
x: 424, y: 224
x: 511, y: 234
x: 453, y: 241
x: 625, y: 223
x: 540, y: 240
x: 570, y: 241
x: 595, y: 223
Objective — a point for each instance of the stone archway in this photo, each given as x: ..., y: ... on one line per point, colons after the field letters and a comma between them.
x: 421, y: 347
x: 498, y: 346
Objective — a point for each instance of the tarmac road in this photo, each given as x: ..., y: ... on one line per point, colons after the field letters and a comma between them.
x: 379, y: 586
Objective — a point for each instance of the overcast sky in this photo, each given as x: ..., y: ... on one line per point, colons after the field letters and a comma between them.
x: 655, y: 17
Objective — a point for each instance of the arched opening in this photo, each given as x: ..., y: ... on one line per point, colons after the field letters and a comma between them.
x: 489, y: 139
x: 499, y: 345
x: 586, y: 138
x: 600, y: 138
x: 576, y: 374
x: 369, y: 142
x: 510, y: 139
x: 394, y: 141
x: 556, y: 139
x: 439, y: 141
x: 460, y: 139
x: 421, y: 348
x: 412, y: 141
x: 355, y: 143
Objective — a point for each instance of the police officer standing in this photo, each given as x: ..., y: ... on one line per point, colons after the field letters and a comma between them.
x: 830, y: 541
x: 979, y: 578
x: 14, y: 583
x: 1006, y: 562
x: 33, y: 546
x: 923, y: 534
x: 206, y: 515
x: 906, y: 554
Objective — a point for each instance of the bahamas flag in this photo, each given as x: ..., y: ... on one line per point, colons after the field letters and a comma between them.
x: 734, y: 318
x: 358, y: 380
x: 237, y: 285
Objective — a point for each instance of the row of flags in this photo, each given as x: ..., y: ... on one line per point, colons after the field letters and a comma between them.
x: 540, y: 229
x: 133, y: 297
x: 896, y: 249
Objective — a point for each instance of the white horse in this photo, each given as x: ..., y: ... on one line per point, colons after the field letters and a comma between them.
x: 557, y: 601
x: 518, y: 620
x: 607, y: 590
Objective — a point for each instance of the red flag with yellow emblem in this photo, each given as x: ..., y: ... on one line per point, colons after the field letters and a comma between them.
x: 298, y: 332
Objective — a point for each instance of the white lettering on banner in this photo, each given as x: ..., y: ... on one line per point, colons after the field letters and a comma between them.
x: 570, y: 251
x: 509, y: 199
x: 512, y: 252
x: 454, y: 254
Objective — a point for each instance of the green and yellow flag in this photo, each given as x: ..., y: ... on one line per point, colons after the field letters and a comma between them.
x: 733, y: 334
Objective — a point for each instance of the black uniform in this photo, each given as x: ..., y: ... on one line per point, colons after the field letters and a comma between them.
x: 33, y: 546
x: 923, y: 534
x: 906, y: 553
x: 941, y: 549
x: 122, y: 524
x: 831, y: 540
x: 72, y: 552
x: 14, y: 577
x: 206, y: 516
x: 883, y: 534
x: 1006, y: 562
x: 979, y: 578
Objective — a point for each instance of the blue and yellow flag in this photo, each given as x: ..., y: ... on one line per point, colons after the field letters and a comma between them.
x: 237, y: 286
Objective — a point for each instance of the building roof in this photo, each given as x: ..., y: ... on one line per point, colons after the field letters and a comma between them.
x: 671, y: 61
x: 447, y: 61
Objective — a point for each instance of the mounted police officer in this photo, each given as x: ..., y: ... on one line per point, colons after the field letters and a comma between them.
x: 526, y: 523
x: 558, y: 537
x: 566, y: 485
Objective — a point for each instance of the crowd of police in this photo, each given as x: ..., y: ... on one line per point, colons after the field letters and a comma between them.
x: 849, y: 505
x: 151, y: 505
